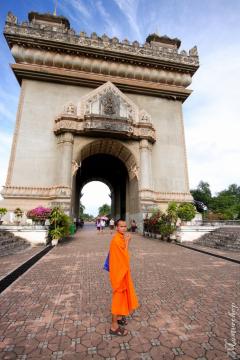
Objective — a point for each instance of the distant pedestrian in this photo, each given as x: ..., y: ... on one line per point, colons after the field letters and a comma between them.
x: 133, y: 226
x: 98, y: 225
x: 102, y: 225
x: 111, y: 225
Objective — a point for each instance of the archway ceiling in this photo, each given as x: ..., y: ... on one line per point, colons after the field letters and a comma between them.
x: 110, y: 147
x: 108, y: 168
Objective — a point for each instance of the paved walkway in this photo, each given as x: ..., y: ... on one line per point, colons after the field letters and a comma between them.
x: 10, y: 262
x: 59, y: 309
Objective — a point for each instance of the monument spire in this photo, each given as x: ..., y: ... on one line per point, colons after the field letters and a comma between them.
x: 55, y: 9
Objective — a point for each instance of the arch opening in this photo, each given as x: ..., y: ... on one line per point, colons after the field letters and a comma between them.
x: 109, y: 162
x: 93, y: 195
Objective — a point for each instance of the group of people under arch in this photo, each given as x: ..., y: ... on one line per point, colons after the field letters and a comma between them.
x: 103, y: 222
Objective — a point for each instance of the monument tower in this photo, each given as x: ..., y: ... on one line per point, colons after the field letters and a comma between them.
x: 95, y: 108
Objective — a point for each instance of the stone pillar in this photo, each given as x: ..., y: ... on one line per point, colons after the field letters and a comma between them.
x: 145, y: 165
x: 65, y: 143
x: 117, y: 202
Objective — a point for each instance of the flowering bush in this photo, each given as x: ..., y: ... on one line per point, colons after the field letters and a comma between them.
x: 39, y: 214
x: 150, y: 224
x: 162, y: 223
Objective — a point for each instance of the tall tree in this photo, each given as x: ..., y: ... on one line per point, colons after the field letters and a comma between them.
x: 104, y: 209
x: 202, y: 193
x: 227, y: 202
x: 81, y: 209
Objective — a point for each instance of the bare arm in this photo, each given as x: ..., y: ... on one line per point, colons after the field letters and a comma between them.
x: 127, y: 239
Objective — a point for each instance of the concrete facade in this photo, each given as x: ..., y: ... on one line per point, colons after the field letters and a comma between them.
x: 79, y: 102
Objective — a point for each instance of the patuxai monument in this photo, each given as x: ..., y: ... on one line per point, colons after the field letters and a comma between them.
x: 96, y: 108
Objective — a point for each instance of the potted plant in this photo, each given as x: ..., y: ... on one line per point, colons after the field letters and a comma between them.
x: 166, y: 229
x: 166, y: 226
x: 55, y: 234
x: 18, y: 213
x: 154, y: 220
x: 3, y: 211
x: 59, y: 225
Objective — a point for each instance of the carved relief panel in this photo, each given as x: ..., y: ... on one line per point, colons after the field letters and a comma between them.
x: 106, y: 109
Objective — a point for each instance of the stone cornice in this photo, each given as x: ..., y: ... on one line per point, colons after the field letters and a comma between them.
x: 92, y: 125
x: 26, y: 192
x: 83, y: 78
x: 50, y: 37
x: 147, y: 194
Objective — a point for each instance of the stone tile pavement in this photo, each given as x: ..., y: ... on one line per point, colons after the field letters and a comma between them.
x: 10, y: 262
x: 59, y: 309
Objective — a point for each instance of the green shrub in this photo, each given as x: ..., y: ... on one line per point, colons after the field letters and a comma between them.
x: 18, y: 212
x: 186, y: 211
x: 166, y: 229
x: 59, y: 223
x: 3, y: 211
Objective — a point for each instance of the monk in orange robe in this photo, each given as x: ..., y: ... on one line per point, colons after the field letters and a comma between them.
x: 124, y: 299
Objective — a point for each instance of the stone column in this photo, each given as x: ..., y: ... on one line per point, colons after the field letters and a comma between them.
x: 65, y: 143
x: 145, y: 165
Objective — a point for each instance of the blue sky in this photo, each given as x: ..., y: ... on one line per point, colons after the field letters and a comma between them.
x: 211, y: 114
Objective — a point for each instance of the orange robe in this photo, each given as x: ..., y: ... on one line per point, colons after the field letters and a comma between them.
x: 124, y: 299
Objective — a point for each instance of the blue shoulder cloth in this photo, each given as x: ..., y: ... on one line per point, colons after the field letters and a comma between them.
x: 106, y: 263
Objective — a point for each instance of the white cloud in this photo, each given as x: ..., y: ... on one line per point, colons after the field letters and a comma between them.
x: 212, y: 121
x: 6, y: 113
x: 76, y: 11
x: 112, y: 28
x: 80, y: 7
x: 130, y: 9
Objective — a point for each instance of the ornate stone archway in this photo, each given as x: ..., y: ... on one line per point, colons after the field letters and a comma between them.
x: 107, y: 113
x: 117, y: 95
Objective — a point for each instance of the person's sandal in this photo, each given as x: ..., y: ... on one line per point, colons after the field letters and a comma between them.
x: 122, y: 322
x: 118, y: 332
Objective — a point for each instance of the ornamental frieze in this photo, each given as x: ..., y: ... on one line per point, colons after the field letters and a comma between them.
x: 99, y: 125
x: 60, y: 33
x: 52, y: 192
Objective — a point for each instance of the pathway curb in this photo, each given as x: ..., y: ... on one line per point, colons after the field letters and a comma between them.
x: 18, y: 271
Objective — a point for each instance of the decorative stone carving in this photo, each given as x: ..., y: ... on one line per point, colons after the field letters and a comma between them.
x: 135, y: 44
x: 105, y: 109
x: 183, y: 52
x: 173, y: 196
x: 75, y: 167
x: 60, y: 34
x: 11, y: 18
x: 110, y: 104
x: 134, y: 172
x: 193, y: 51
x: 70, y: 109
x: 106, y: 99
x: 47, y: 58
x: 144, y: 117
x: 115, y: 40
x: 36, y: 192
